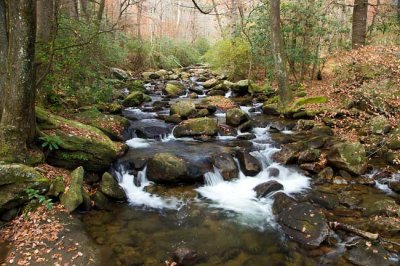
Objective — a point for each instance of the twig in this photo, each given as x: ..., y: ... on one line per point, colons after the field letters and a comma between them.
x: 352, y: 229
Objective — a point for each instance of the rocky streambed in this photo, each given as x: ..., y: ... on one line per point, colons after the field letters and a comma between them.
x: 213, y: 178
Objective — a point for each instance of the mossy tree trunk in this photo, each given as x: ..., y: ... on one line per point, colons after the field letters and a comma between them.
x: 359, y: 27
x: 3, y: 52
x: 17, y: 125
x: 285, y: 96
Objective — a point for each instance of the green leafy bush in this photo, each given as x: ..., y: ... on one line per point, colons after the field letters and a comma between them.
x: 33, y: 194
x: 51, y: 142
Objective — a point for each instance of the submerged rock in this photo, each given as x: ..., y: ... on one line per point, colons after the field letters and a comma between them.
x: 15, y: 179
x: 78, y: 144
x: 110, y: 187
x: 185, y: 256
x: 73, y: 197
x: 265, y: 189
x: 226, y: 165
x: 348, y: 156
x: 196, y: 127
x: 248, y: 163
x: 304, y: 224
x: 281, y: 202
x: 236, y: 117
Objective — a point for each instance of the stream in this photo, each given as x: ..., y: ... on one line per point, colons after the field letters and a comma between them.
x: 222, y: 221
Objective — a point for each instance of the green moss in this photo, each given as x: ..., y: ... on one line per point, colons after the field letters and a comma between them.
x: 197, y: 127
x: 174, y: 90
x: 136, y: 98
x: 309, y: 100
x: 136, y: 85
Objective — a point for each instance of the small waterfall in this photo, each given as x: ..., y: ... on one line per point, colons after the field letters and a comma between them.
x: 213, y: 178
x: 228, y: 94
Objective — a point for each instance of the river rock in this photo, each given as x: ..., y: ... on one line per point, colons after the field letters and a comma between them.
x: 100, y: 201
x: 236, y: 116
x: 309, y: 156
x: 174, y: 89
x: 185, y: 256
x: 270, y: 109
x: 119, y: 73
x: 110, y: 187
x: 196, y: 127
x: 167, y: 168
x: 373, y: 205
x: 327, y: 200
x: 348, y: 156
x: 79, y: 144
x: 216, y: 93
x: 14, y: 180
x: 150, y: 75
x: 365, y: 255
x: 211, y: 83
x: 241, y: 87
x: 73, y: 197
x: 289, y: 153
x: 395, y: 186
x: 281, y: 202
x: 305, y: 224
x: 265, y: 189
x: 226, y: 165
x: 136, y: 98
x: 248, y: 163
x: 183, y: 108
x: 175, y: 119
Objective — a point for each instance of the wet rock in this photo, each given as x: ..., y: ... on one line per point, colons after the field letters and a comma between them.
x: 216, y: 93
x: 364, y: 254
x: 14, y: 180
x: 57, y: 187
x: 136, y: 98
x: 265, y: 189
x: 305, y: 224
x: 119, y: 73
x: 304, y: 125
x: 161, y: 104
x: 273, y: 172
x: 246, y: 126
x: 227, y: 166
x: 196, y: 127
x: 174, y: 89
x: 247, y: 136
x: 314, y: 168
x: 395, y: 186
x: 327, y: 200
x: 211, y: 83
x: 198, y: 90
x: 236, y: 116
x: 248, y: 163
x: 289, y: 153
x: 327, y: 173
x: 372, y: 205
x: 185, y: 256
x: 348, y: 156
x: 183, y: 108
x: 388, y: 226
x: 270, y: 109
x: 193, y: 95
x: 100, y: 201
x: 322, y: 131
x: 282, y: 202
x: 168, y: 168
x: 241, y: 87
x: 73, y: 197
x: 316, y: 142
x: 201, y: 113
x: 309, y: 156
x: 110, y: 187
x: 80, y: 144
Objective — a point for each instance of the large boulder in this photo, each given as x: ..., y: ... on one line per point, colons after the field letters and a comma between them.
x: 136, y: 98
x: 111, y: 125
x: 78, y: 144
x: 196, y: 127
x: 226, y: 165
x: 119, y: 73
x: 236, y: 117
x: 211, y: 83
x: 110, y: 187
x: 265, y: 189
x: 174, y: 89
x: 304, y: 224
x: 15, y: 179
x: 184, y: 109
x: 168, y: 168
x: 73, y: 196
x: 348, y: 156
x: 249, y: 165
x: 241, y: 87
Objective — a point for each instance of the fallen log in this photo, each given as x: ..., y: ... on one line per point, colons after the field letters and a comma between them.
x: 354, y: 230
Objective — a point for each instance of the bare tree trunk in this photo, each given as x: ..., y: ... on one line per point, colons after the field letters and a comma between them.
x: 285, y: 96
x: 17, y: 125
x: 359, y: 28
x: 100, y: 12
x: 219, y: 19
x: 3, y: 53
x: 85, y: 11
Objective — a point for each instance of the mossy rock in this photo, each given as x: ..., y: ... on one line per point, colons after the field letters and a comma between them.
x: 111, y: 108
x: 348, y: 156
x: 57, y: 187
x: 136, y: 85
x: 136, y: 98
x: 308, y: 100
x: 166, y: 168
x: 236, y: 116
x: 111, y: 125
x: 183, y: 108
x: 110, y: 187
x: 73, y: 197
x: 80, y: 144
x: 196, y: 127
x: 150, y: 75
x: 15, y: 179
x: 379, y: 125
x: 270, y: 109
x: 174, y: 89
x: 241, y: 87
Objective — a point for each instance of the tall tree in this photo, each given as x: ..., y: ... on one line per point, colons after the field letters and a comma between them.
x: 285, y: 96
x: 359, y: 28
x: 17, y: 125
x: 3, y: 52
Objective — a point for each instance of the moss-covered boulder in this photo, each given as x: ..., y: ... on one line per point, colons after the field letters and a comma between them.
x: 119, y: 73
x: 15, y: 179
x: 73, y: 196
x: 220, y: 102
x: 184, y: 109
x: 135, y: 85
x: 270, y: 109
x: 211, y: 83
x: 150, y: 75
x: 241, y: 87
x: 196, y: 127
x: 348, y: 156
x: 111, y: 125
x: 174, y: 89
x: 236, y: 117
x: 109, y: 187
x: 136, y: 98
x: 379, y: 125
x: 79, y: 144
x: 167, y: 168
